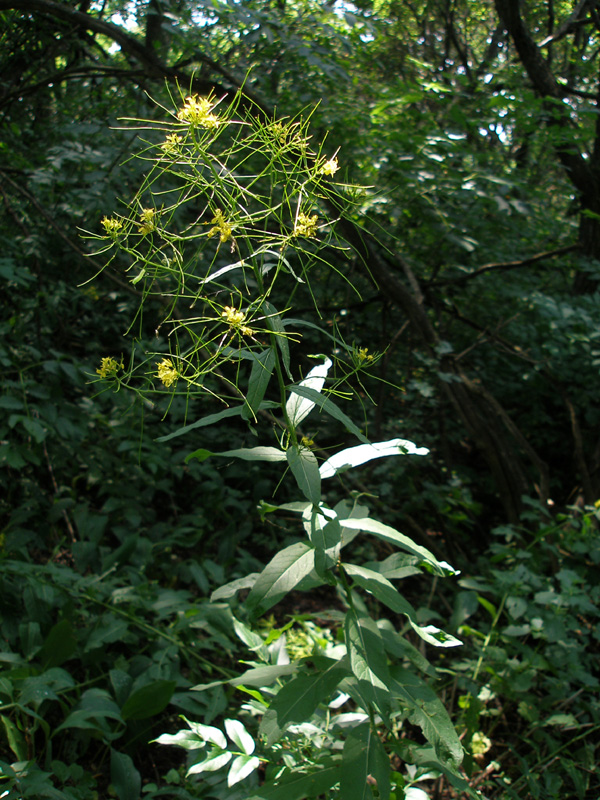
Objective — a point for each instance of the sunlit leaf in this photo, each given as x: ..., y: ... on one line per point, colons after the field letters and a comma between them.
x: 297, y: 407
x: 362, y: 453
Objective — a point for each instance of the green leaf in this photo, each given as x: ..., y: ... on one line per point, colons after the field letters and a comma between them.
x: 426, y: 758
x: 325, y: 533
x: 368, y: 662
x: 305, y: 469
x: 260, y: 375
x: 327, y: 405
x: 298, y: 699
x: 385, y: 592
x: 208, y: 733
x: 428, y: 712
x: 241, y: 767
x: 297, y: 407
x: 364, y: 756
x: 245, y: 453
x: 240, y: 736
x: 435, y: 636
x: 397, y: 646
x: 59, y: 646
x: 264, y: 676
x: 354, y: 456
x: 125, y: 778
x: 299, y: 786
x: 215, y: 760
x: 281, y: 575
x: 185, y: 738
x: 232, y: 588
x: 204, y: 422
x: 34, y: 429
x: 258, y: 676
x: 149, y: 700
x: 388, y: 534
x: 15, y: 739
x: 275, y: 324
x: 381, y: 588
x: 93, y: 709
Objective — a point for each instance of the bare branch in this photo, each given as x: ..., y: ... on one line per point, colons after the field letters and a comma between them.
x: 507, y: 265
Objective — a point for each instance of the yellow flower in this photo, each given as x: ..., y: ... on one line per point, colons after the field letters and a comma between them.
x: 197, y: 111
x: 236, y: 320
x: 329, y: 167
x: 222, y: 228
x: 363, y: 354
x: 148, y: 220
x: 111, y: 226
x: 305, y: 225
x: 307, y: 442
x: 597, y: 504
x: 109, y: 367
x: 167, y: 372
x: 171, y: 143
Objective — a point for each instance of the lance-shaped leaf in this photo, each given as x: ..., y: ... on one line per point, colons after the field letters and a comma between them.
x: 245, y: 453
x: 213, y: 762
x: 211, y: 419
x: 401, y: 649
x: 258, y: 676
x: 390, y: 534
x: 275, y: 324
x: 325, y: 533
x: 428, y: 712
x: 325, y: 404
x: 381, y: 588
x: 233, y: 587
x: 281, y: 575
x: 368, y: 662
x: 435, y: 636
x: 354, y: 456
x: 186, y: 739
x: 260, y: 375
x: 304, y: 467
x: 222, y: 271
x: 364, y: 757
x: 298, y: 407
x: 386, y: 592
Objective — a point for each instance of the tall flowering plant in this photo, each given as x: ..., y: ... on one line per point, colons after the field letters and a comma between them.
x: 234, y: 205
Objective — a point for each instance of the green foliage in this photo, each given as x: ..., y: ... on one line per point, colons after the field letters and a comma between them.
x: 528, y: 620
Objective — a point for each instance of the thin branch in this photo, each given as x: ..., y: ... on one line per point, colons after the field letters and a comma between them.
x: 506, y: 265
x: 131, y: 46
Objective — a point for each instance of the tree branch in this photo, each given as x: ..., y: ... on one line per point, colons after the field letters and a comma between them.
x: 546, y: 85
x: 507, y: 265
x: 146, y: 57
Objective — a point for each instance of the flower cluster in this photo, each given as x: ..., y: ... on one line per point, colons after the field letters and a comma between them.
x: 166, y: 372
x: 236, y: 319
x: 111, y: 226
x: 305, y: 225
x: 147, y: 220
x: 171, y: 143
x: 362, y: 355
x: 197, y: 111
x: 329, y: 167
x: 109, y: 367
x: 221, y: 227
